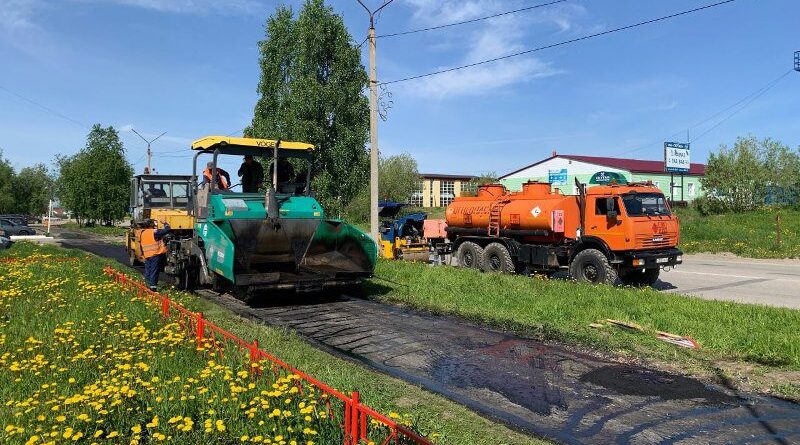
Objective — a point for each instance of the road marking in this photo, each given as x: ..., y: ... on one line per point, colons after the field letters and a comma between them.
x: 732, y: 276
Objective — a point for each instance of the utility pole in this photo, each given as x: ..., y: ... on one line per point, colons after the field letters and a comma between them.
x: 373, y: 124
x: 149, y: 152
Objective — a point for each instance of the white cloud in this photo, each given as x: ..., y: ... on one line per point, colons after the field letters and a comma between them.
x: 18, y: 27
x: 194, y: 6
x: 484, y: 40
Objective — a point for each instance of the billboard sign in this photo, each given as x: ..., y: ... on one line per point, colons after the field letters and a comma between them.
x: 676, y: 157
x: 605, y: 178
x: 557, y: 177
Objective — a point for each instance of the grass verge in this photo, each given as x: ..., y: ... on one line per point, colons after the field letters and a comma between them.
x: 748, y: 234
x: 112, y: 231
x: 81, y: 358
x: 733, y: 336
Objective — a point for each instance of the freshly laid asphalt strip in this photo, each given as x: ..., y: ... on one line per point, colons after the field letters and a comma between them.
x: 540, y: 388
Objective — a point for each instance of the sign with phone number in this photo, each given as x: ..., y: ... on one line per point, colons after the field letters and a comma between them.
x: 676, y: 157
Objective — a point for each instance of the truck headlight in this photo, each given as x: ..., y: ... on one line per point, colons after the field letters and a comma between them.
x: 638, y: 262
x: 679, y: 259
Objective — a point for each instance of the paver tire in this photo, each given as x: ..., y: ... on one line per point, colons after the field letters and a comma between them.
x: 497, y: 259
x: 469, y: 255
x: 591, y: 266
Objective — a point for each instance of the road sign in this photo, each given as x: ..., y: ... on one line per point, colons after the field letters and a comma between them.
x: 676, y: 157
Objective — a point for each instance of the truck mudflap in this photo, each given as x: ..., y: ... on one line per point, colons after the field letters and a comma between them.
x: 650, y: 259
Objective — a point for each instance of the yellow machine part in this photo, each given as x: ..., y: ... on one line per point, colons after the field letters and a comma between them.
x: 402, y: 249
x: 177, y: 220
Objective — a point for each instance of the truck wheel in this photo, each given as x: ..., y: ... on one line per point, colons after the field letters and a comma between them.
x: 470, y: 255
x: 497, y: 259
x: 640, y: 278
x: 592, y: 266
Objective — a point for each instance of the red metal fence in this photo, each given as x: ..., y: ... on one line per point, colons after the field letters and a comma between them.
x: 361, y: 424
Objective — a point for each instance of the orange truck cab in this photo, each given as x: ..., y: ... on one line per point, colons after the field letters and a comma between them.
x: 605, y: 234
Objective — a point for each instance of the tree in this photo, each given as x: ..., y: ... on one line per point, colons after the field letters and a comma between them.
x: 749, y: 175
x: 311, y: 90
x: 94, y: 183
x: 6, y: 185
x: 471, y: 188
x: 33, y: 190
x: 398, y: 176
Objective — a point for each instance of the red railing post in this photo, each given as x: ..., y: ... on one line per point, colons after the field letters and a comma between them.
x: 347, y: 408
x: 364, y: 426
x: 200, y: 329
x: 354, y: 434
x: 253, y: 354
x: 164, y: 306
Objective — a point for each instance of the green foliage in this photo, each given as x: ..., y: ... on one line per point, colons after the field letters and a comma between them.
x: 471, y: 188
x: 94, y: 183
x: 749, y: 175
x: 311, y: 90
x: 6, y: 185
x: 397, y: 179
x: 27, y: 192
x: 33, y: 190
x: 750, y: 234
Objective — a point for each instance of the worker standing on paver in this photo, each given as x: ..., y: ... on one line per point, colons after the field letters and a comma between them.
x: 252, y: 174
x: 154, y: 251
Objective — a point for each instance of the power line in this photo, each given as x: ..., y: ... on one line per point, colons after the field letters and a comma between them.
x: 565, y: 42
x: 748, y: 98
x: 45, y: 108
x: 414, y: 31
x: 745, y: 105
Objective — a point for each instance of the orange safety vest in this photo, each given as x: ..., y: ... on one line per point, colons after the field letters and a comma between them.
x: 223, y: 183
x: 151, y: 247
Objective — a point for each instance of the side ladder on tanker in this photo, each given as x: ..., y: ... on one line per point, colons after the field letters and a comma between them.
x: 495, y: 212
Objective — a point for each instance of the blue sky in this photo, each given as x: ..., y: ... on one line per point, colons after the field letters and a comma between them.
x: 189, y: 67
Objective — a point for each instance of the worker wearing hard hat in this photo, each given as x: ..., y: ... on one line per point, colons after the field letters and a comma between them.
x: 154, y: 251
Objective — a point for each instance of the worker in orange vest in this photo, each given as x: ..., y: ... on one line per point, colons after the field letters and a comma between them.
x: 154, y: 251
x: 223, y: 178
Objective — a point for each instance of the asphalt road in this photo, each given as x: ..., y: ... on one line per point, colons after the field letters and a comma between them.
x: 770, y: 282
x: 542, y: 388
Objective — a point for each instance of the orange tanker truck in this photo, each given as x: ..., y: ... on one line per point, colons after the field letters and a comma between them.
x: 606, y: 234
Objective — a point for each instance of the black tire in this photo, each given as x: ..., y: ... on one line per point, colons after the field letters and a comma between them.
x: 219, y: 283
x: 591, y: 266
x: 470, y: 255
x: 497, y: 259
x: 641, y: 278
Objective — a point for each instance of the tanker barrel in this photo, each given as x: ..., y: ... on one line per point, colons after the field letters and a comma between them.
x: 503, y: 232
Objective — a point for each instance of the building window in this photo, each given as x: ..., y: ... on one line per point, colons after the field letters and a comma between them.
x: 690, y: 189
x: 416, y: 196
x: 469, y: 188
x: 446, y: 192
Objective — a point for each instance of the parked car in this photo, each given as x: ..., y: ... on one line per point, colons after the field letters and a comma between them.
x: 12, y: 229
x: 17, y: 219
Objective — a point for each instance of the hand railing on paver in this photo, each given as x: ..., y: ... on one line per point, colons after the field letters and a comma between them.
x: 361, y: 424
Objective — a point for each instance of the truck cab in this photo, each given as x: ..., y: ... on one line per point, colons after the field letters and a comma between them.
x: 634, y: 227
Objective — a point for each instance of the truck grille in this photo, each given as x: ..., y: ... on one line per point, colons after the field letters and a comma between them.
x: 655, y: 241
